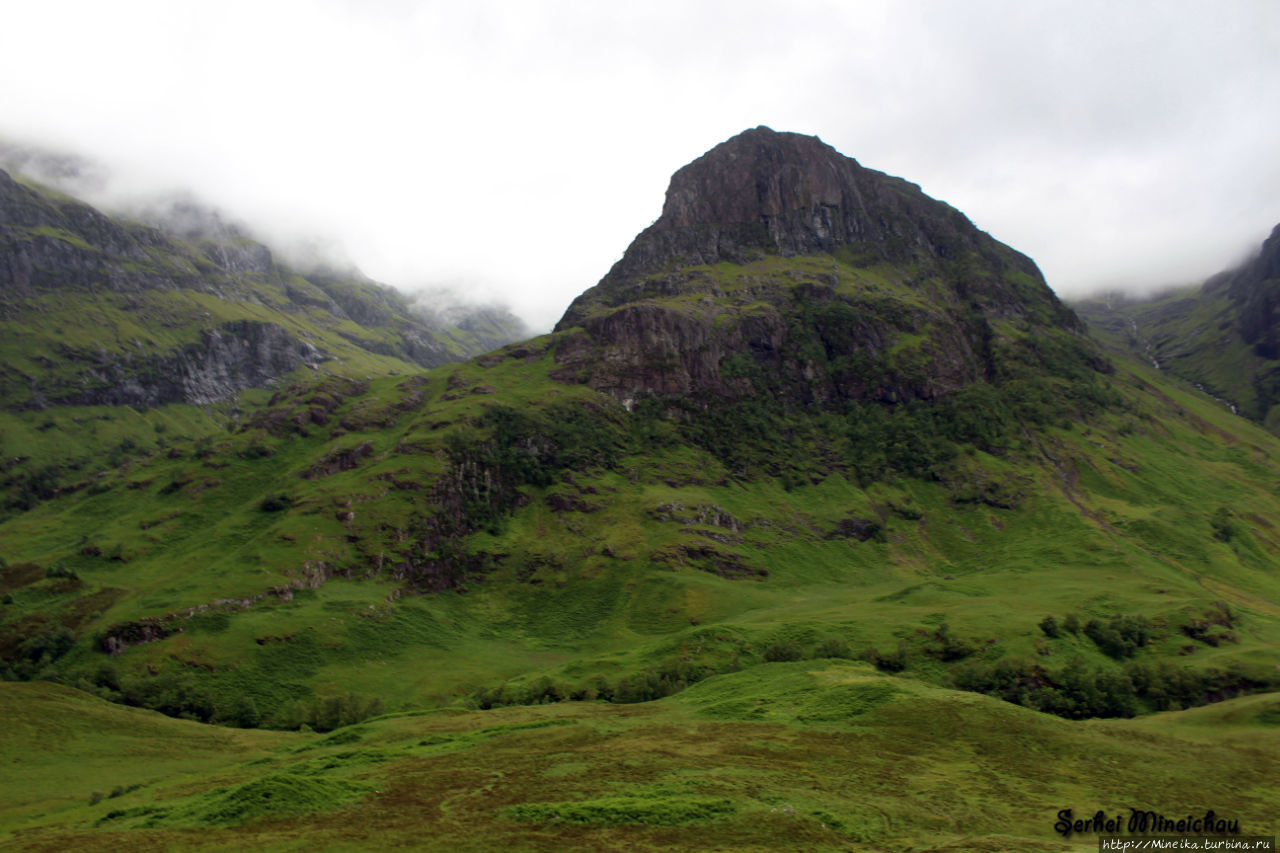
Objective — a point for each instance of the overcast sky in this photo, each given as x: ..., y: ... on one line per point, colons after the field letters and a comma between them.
x: 512, y: 150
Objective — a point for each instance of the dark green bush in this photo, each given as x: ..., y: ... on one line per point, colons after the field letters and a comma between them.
x: 783, y: 650
x: 276, y: 503
x: 833, y: 647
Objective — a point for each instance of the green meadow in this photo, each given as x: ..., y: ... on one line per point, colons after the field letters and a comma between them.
x: 812, y: 755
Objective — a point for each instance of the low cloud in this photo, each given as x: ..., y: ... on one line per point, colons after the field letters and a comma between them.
x: 521, y: 146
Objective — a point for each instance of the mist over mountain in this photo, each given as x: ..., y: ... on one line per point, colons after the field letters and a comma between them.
x: 1223, y: 336
x: 181, y: 214
x: 191, y: 283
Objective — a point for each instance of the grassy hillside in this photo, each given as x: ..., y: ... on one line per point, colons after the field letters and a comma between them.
x: 822, y: 755
x: 119, y: 338
x: 567, y: 548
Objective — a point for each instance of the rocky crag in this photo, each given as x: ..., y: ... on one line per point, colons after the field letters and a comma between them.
x: 780, y: 265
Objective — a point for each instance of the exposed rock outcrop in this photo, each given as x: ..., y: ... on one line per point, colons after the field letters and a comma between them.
x: 1255, y: 288
x: 226, y: 361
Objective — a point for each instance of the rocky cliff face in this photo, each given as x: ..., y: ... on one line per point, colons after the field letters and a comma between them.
x: 1255, y: 288
x: 49, y: 243
x: 239, y: 355
x: 779, y: 264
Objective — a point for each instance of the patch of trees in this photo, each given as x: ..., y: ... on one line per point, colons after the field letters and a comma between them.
x: 176, y: 694
x: 37, y: 652
x: 664, y: 679
x: 170, y: 693
x: 657, y: 682
x: 1122, y: 636
x: 871, y: 439
x: 1077, y: 691
x: 327, y: 713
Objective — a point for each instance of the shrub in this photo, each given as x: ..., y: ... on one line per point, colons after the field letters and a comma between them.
x: 276, y: 503
x: 48, y: 645
x: 1120, y: 637
x: 895, y: 661
x: 833, y: 647
x: 1224, y: 529
x: 783, y: 650
x: 947, y: 647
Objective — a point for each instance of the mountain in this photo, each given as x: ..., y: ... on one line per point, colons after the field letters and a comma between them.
x: 818, y: 518
x: 780, y: 265
x: 159, y: 324
x: 1223, y: 336
x: 101, y: 311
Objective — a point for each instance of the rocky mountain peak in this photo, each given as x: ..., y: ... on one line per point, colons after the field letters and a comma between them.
x: 780, y: 264
x: 758, y: 174
x: 769, y: 193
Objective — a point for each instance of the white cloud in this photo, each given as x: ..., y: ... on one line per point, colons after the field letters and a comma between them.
x: 515, y: 148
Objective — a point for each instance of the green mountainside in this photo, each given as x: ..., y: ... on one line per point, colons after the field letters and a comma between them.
x: 1223, y: 336
x: 819, y: 522
x: 117, y: 335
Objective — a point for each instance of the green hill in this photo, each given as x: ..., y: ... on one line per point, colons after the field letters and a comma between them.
x: 722, y: 563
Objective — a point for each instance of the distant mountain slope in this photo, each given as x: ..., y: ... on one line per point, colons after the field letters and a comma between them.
x: 96, y: 310
x: 1223, y: 336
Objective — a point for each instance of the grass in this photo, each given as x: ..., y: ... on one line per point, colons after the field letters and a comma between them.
x: 827, y: 755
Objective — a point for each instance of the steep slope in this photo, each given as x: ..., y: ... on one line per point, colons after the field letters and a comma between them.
x: 1223, y: 336
x: 802, y: 453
